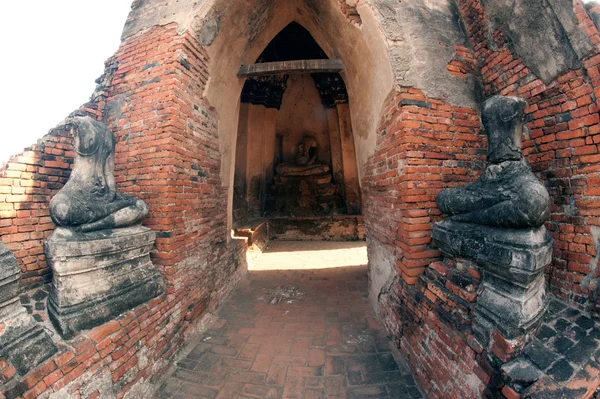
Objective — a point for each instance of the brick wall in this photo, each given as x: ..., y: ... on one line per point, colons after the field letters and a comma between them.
x: 27, y: 182
x: 562, y: 147
x: 430, y: 321
x: 168, y: 154
x: 423, y: 146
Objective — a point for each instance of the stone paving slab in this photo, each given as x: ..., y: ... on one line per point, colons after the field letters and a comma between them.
x: 564, y: 359
x: 293, y: 334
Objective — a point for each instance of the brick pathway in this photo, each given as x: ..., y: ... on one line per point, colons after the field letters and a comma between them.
x: 302, y: 334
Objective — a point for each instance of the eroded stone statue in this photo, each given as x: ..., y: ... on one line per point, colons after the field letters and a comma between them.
x: 303, y: 187
x: 507, y: 194
x: 100, y: 253
x: 305, y: 161
x: 497, y: 222
x: 89, y: 201
x: 305, y: 157
x: 23, y: 342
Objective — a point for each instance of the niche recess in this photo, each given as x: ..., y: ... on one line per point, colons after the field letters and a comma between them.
x: 277, y: 112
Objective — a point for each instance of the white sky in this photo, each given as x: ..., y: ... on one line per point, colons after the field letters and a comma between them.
x: 51, y: 52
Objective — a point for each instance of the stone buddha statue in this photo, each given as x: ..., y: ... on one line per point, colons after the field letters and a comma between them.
x: 305, y: 161
x: 507, y: 194
x: 89, y: 201
x: 99, y: 254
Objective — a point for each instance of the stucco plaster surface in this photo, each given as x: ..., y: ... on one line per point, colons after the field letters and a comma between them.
x: 381, y: 271
x: 544, y: 33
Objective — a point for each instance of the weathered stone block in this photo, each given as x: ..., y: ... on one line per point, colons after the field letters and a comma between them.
x: 512, y: 261
x: 336, y: 228
x: 508, y: 253
x: 99, y: 275
x: 22, y: 341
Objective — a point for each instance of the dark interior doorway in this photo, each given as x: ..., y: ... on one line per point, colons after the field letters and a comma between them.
x: 295, y: 152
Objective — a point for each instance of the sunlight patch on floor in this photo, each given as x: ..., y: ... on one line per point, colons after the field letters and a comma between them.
x: 303, y: 255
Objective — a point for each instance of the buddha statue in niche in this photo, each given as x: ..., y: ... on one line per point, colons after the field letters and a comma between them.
x: 89, y: 201
x: 305, y: 161
x: 507, y: 194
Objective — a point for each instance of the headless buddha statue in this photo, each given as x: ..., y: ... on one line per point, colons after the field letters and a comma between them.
x: 89, y: 201
x: 507, y: 194
x: 305, y: 161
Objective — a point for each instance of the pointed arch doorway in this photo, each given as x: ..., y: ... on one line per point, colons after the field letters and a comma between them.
x: 284, y: 115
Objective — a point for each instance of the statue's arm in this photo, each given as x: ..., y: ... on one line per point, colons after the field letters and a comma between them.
x: 109, y: 175
x: 460, y: 200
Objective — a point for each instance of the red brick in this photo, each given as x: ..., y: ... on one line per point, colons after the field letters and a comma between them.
x: 510, y: 393
x: 316, y: 357
x: 103, y: 331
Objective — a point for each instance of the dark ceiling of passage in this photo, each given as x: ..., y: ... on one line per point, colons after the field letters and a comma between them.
x: 293, y: 43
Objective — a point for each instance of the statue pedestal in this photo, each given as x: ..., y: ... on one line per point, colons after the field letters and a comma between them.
x: 99, y: 275
x: 22, y: 341
x: 303, y: 191
x: 512, y: 261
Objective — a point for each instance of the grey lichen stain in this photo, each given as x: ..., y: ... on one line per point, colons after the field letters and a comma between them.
x: 209, y: 31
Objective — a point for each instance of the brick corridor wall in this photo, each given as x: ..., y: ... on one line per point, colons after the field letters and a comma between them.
x: 562, y: 147
x: 167, y: 153
x: 424, y: 146
x: 429, y: 322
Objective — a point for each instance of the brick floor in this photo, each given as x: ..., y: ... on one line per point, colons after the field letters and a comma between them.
x: 302, y: 334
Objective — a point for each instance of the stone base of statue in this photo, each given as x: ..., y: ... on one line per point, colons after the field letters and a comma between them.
x: 22, y: 341
x: 296, y: 170
x: 302, y: 192
x: 99, y: 275
x: 512, y: 261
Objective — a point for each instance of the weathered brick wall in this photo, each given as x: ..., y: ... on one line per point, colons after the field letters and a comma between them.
x: 430, y: 324
x: 27, y: 182
x: 168, y: 154
x: 562, y: 146
x: 424, y: 146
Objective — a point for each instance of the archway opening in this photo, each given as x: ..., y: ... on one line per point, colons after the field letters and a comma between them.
x: 295, y: 153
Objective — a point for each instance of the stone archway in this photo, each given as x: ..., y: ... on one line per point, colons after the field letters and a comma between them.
x: 244, y: 32
x: 411, y: 89
x: 383, y: 45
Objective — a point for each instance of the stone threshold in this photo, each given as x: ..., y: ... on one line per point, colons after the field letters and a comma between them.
x: 311, y: 228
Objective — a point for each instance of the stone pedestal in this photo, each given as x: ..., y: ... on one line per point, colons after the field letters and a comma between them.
x: 22, y: 341
x: 99, y: 275
x: 304, y: 194
x: 512, y: 261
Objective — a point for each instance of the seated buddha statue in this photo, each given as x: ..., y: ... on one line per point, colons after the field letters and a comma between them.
x: 507, y: 194
x: 304, y: 162
x: 89, y: 200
